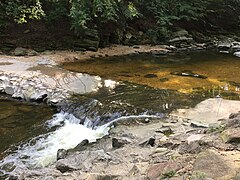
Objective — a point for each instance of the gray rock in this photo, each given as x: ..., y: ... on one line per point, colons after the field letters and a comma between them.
x: 19, y: 51
x: 150, y: 76
x: 9, y: 90
x: 148, y: 141
x: 211, y: 164
x: 83, y: 160
x: 233, y: 120
x: 224, y: 47
x: 119, y: 142
x: 231, y: 135
x: 61, y: 154
x: 181, y: 33
x: 31, y: 52
x: 165, y: 130
x: 165, y: 170
x: 188, y: 73
x: 181, y: 39
x: 194, y: 147
x: 235, y: 47
x: 82, y: 145
x: 237, y: 54
x: 63, y: 167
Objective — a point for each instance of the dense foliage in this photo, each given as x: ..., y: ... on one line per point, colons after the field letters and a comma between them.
x: 94, y: 14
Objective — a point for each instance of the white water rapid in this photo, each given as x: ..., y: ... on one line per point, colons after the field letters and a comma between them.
x: 42, y: 150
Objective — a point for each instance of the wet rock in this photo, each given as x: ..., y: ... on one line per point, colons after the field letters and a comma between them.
x: 188, y: 73
x: 231, y: 135
x: 148, y: 141
x: 224, y: 46
x: 235, y: 47
x: 163, y: 79
x: 150, y: 76
x: 119, y: 142
x: 212, y: 165
x: 61, y: 154
x: 237, y: 54
x: 82, y: 145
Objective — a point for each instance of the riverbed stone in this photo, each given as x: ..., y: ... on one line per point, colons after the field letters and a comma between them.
x: 119, y: 142
x: 231, y: 135
x: 237, y: 54
x: 61, y: 154
x: 9, y: 90
x: 147, y: 141
x: 211, y: 164
x: 194, y: 147
x: 159, y: 170
x: 19, y: 51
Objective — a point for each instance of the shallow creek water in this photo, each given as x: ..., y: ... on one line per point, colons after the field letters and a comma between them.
x: 220, y: 70
x: 147, y: 88
x: 20, y: 121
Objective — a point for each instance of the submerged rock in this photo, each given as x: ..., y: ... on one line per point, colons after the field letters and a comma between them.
x: 150, y: 76
x: 188, y: 73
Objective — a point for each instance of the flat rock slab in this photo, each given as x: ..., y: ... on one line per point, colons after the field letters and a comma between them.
x: 43, y: 80
x: 209, y: 111
x: 212, y: 164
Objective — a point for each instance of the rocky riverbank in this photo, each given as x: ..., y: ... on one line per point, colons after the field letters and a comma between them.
x: 174, y: 148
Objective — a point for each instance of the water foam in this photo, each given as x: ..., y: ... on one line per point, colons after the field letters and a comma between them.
x: 42, y: 150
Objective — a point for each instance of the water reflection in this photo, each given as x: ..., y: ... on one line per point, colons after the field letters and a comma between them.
x: 20, y: 121
x: 157, y: 72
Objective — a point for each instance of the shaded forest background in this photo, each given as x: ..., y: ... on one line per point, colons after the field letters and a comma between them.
x: 88, y: 24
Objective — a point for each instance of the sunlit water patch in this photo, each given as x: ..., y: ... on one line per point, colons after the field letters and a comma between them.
x: 219, y: 69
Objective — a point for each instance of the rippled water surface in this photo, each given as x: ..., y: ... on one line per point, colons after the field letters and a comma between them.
x: 156, y: 71
x: 147, y: 86
x: 20, y: 121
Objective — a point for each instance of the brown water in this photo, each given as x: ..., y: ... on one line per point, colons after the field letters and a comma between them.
x: 222, y: 70
x: 20, y: 121
x: 148, y: 86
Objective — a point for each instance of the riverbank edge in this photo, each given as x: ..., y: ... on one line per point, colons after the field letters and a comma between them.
x: 115, y: 50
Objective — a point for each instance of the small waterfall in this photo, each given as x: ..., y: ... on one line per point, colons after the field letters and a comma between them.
x: 41, y: 151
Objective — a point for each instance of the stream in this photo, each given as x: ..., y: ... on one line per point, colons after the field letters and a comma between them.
x: 147, y: 87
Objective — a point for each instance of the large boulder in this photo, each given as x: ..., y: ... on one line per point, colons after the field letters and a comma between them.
x: 211, y: 164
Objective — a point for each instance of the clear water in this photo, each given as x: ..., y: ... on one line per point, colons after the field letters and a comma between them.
x: 31, y: 134
x: 221, y: 70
